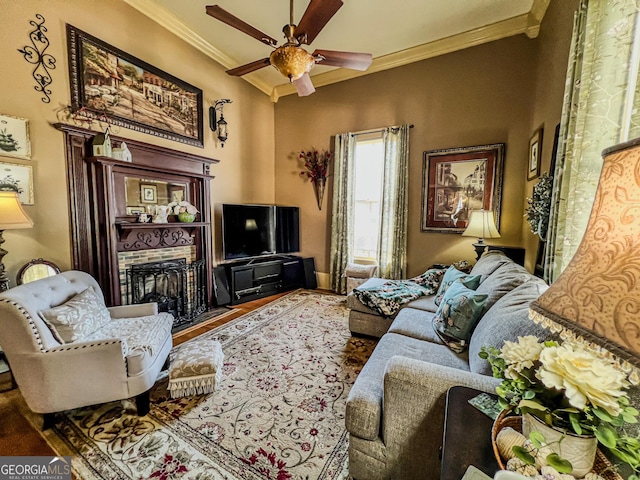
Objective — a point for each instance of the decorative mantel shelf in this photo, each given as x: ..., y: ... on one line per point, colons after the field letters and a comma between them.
x: 99, y: 230
x: 144, y: 236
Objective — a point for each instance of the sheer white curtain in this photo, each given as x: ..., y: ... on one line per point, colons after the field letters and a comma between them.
x: 601, y: 108
x: 392, y: 241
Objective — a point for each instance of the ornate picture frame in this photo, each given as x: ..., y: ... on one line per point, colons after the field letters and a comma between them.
x: 456, y: 181
x: 14, y: 137
x: 107, y: 82
x: 535, y: 154
x: 17, y: 178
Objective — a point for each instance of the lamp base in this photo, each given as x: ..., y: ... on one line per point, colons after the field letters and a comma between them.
x: 4, y: 281
x: 480, y: 249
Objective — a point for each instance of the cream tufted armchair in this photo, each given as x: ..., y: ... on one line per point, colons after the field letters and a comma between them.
x: 66, y: 349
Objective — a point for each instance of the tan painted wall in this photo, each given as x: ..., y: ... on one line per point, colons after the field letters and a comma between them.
x: 553, y: 52
x: 477, y: 96
x: 246, y: 169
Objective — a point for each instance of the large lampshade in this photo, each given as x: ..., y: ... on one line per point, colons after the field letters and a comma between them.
x: 598, y: 294
x: 481, y: 225
x: 12, y: 215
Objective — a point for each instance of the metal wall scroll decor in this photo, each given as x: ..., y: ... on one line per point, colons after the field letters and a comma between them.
x: 36, y: 55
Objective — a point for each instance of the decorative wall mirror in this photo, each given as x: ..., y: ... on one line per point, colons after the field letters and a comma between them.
x: 36, y: 269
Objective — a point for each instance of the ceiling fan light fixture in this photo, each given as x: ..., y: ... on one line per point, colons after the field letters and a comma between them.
x: 292, y: 61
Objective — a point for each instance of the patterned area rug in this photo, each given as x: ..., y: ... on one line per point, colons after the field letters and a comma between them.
x: 277, y: 414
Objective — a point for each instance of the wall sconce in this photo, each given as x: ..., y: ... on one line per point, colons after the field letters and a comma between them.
x: 219, y: 126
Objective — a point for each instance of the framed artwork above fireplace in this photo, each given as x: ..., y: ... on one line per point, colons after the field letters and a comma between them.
x: 129, y: 92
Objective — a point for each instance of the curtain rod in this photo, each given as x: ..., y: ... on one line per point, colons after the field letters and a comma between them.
x: 375, y: 130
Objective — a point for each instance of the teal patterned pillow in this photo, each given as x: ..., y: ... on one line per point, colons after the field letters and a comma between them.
x: 451, y: 275
x: 430, y: 279
x: 457, y: 315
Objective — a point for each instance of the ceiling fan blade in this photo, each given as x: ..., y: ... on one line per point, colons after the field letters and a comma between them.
x: 216, y: 12
x: 249, y: 67
x: 304, y: 85
x: 355, y: 61
x: 315, y: 17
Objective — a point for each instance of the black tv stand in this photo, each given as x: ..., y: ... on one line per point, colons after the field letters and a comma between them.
x: 254, y: 278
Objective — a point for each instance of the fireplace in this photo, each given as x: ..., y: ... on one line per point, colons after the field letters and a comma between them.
x: 176, y: 286
x: 106, y: 231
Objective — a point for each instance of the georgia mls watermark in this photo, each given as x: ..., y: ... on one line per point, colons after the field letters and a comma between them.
x: 35, y: 468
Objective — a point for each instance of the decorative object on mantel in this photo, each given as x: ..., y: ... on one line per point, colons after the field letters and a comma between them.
x: 12, y: 216
x: 122, y: 153
x: 481, y: 225
x: 572, y: 407
x: 36, y: 55
x: 169, y: 108
x: 185, y: 212
x: 101, y: 144
x: 219, y: 126
x: 161, y: 215
x: 316, y: 164
x: 14, y: 137
x: 539, y: 207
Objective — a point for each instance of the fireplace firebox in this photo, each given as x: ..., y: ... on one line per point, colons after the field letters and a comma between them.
x: 178, y: 287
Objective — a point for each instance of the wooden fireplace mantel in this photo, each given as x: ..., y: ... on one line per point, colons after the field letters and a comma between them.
x: 99, y: 229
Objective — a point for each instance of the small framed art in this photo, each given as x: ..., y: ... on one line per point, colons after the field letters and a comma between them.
x: 17, y: 178
x: 14, y: 137
x: 148, y: 193
x: 535, y: 152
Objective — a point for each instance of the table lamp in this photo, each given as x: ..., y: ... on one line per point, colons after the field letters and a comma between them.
x: 12, y: 216
x: 596, y: 299
x: 481, y: 225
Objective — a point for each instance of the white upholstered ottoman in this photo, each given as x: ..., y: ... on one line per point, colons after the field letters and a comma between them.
x: 195, y: 368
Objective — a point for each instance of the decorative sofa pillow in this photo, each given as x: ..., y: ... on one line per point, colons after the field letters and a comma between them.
x: 78, y: 317
x: 458, y: 315
x: 451, y: 275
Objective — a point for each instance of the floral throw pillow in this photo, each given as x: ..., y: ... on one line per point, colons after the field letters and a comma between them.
x: 451, y: 275
x: 457, y: 315
x: 78, y: 317
x: 430, y: 279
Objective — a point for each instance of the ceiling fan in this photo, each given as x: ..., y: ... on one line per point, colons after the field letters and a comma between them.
x: 291, y: 60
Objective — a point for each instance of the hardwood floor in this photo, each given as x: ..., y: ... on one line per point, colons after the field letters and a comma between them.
x: 19, y: 437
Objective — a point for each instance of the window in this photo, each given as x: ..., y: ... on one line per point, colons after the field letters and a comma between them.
x: 368, y: 171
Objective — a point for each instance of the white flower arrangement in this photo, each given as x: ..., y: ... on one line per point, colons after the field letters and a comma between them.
x: 179, y: 207
x: 568, y: 387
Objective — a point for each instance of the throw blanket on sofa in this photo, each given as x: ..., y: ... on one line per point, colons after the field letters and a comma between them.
x: 387, y: 298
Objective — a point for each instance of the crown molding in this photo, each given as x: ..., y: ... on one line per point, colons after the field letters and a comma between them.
x: 168, y: 20
x: 528, y: 24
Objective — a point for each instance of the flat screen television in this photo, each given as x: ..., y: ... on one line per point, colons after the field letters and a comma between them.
x: 258, y: 230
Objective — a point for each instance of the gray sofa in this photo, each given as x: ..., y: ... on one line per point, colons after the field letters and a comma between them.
x: 395, y: 410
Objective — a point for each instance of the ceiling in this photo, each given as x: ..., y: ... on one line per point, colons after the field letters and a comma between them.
x: 395, y: 32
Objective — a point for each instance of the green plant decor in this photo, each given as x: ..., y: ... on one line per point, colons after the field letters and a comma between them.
x: 571, y: 388
x: 539, y: 206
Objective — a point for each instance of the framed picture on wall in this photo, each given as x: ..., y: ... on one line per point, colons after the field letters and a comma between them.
x: 14, y: 137
x: 535, y: 155
x: 17, y: 178
x: 456, y: 181
x: 148, y: 193
x: 106, y: 81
